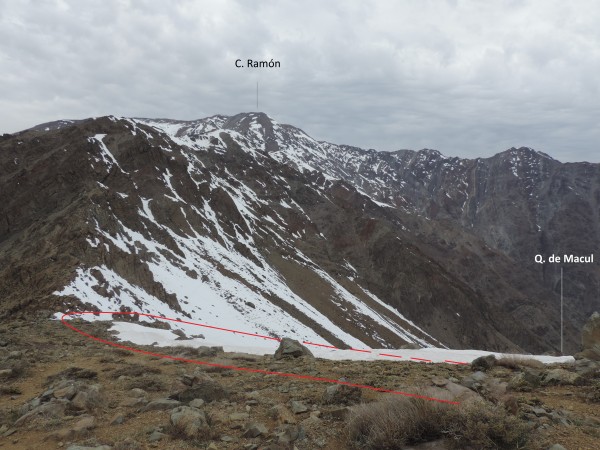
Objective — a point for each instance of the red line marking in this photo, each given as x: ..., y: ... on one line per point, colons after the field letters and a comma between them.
x: 449, y: 361
x: 420, y: 359
x: 391, y: 356
x: 223, y: 366
x: 320, y: 345
x: 359, y: 350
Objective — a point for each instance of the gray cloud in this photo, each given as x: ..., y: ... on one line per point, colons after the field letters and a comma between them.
x: 468, y: 78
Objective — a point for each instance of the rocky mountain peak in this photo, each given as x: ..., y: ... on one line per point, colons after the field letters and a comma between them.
x: 242, y: 219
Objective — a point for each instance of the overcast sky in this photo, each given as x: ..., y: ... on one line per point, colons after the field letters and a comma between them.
x: 468, y: 78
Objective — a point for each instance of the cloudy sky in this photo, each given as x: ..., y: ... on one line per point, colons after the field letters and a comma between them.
x: 469, y: 78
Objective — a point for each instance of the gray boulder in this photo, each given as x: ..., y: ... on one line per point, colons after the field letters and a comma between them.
x: 161, y: 404
x: 483, y: 363
x: 341, y: 394
x: 292, y: 349
x: 561, y: 377
x: 190, y: 422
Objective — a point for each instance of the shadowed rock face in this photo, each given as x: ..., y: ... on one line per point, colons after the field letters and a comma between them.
x: 590, y: 338
x: 242, y: 217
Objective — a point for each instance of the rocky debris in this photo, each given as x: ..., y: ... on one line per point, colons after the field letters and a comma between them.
x: 336, y: 414
x: 88, y: 398
x: 587, y: 368
x: 439, y: 381
x: 118, y: 419
x: 189, y: 422
x: 483, y: 363
x: 287, y: 434
x: 80, y: 429
x: 341, y: 394
x: 73, y: 373
x: 254, y: 430
x: 61, y: 397
x: 134, y: 402
x: 290, y: 348
x: 561, y: 377
x: 197, y: 403
x: 282, y: 414
x: 455, y: 391
x: 526, y: 380
x: 199, y: 386
x: 137, y: 393
x: 474, y: 381
x: 411, y: 346
x: 298, y: 407
x: 238, y: 416
x: 157, y: 435
x: 84, y: 447
x: 590, y: 338
x: 162, y: 404
x: 53, y: 409
x: 181, y: 336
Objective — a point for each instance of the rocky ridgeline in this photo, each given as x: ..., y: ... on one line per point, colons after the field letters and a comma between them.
x: 89, y: 396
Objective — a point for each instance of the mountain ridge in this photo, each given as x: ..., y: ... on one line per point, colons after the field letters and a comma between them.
x: 423, y: 233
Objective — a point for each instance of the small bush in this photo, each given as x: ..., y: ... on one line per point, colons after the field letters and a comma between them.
x: 395, y: 422
x: 518, y: 362
x: 480, y: 424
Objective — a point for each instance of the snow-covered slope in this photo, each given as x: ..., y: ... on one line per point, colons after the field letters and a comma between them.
x: 243, y: 222
x: 211, y: 254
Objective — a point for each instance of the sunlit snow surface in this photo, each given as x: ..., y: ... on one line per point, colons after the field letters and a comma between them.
x: 236, y: 342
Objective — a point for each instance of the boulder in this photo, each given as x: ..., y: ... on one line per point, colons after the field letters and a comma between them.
x: 290, y: 348
x: 298, y: 407
x: 87, y: 398
x: 47, y: 411
x: 561, y: 377
x: 190, y: 422
x: 483, y: 363
x: 525, y: 381
x: 202, y: 387
x: 290, y: 433
x: 254, y: 430
x: 590, y: 338
x: 341, y: 394
x: 161, y: 404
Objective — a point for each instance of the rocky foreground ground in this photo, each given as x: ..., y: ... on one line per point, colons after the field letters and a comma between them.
x: 59, y: 389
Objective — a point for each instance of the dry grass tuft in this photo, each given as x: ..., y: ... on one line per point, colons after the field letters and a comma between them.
x: 483, y: 425
x: 395, y: 422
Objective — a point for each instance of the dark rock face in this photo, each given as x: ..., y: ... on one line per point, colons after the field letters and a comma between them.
x: 590, y: 338
x: 393, y: 248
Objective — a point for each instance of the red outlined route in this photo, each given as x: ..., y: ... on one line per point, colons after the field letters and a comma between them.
x: 243, y: 369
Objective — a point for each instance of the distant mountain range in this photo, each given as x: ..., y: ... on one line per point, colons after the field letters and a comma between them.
x: 245, y: 223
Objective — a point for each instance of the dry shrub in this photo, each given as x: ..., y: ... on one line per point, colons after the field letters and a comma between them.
x: 480, y: 424
x: 395, y: 422
x: 517, y: 362
x: 148, y: 383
